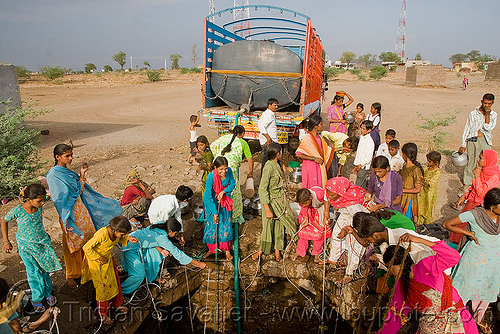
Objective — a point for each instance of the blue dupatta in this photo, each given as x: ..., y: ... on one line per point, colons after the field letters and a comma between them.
x: 65, y: 187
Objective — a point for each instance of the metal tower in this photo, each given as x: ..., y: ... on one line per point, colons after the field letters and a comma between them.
x: 401, y: 35
x: 241, y: 14
x: 211, y: 9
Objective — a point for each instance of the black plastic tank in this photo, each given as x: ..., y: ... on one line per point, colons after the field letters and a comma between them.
x: 236, y: 89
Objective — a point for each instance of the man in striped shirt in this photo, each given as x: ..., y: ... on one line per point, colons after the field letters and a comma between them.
x: 477, y: 134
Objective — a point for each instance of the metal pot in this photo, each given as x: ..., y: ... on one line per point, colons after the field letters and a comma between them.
x: 257, y: 209
x: 349, y: 117
x: 296, y: 175
x: 184, y: 206
x: 198, y: 212
x: 459, y: 159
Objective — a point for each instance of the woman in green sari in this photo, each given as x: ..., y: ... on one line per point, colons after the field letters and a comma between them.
x: 233, y: 147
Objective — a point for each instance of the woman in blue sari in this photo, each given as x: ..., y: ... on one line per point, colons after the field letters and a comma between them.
x: 143, y: 259
x: 82, y: 211
x: 218, y: 205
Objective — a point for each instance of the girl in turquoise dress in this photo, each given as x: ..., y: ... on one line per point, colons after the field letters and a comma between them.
x: 143, y: 259
x: 33, y: 245
x: 218, y: 206
x: 477, y: 276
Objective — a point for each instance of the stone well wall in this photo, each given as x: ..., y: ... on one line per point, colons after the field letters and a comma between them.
x: 493, y: 72
x: 420, y: 75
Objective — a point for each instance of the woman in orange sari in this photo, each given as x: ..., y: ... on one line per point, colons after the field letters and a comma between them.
x: 315, y: 153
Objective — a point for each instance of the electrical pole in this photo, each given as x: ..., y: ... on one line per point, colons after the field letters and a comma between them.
x: 400, y: 47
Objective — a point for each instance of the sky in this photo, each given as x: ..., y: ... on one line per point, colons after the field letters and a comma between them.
x: 71, y: 33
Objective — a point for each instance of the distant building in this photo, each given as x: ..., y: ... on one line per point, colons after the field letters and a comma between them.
x: 345, y: 66
x: 411, y: 62
x: 464, y: 66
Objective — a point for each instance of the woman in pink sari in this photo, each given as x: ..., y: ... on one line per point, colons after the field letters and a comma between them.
x: 335, y: 113
x: 314, y: 225
x: 426, y: 289
x: 315, y: 153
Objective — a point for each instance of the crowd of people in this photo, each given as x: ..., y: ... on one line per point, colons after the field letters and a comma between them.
x: 371, y: 216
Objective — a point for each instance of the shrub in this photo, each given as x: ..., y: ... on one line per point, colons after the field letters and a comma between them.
x: 332, y: 72
x: 184, y: 70
x: 377, y: 72
x: 153, y: 75
x: 196, y: 70
x: 23, y: 74
x: 355, y: 71
x: 433, y: 128
x: 108, y: 68
x: 19, y: 160
x: 53, y: 72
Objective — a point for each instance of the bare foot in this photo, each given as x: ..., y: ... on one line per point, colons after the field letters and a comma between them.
x: 106, y: 320
x: 207, y: 254
x: 277, y: 255
x: 294, y: 256
x: 316, y: 259
x: 72, y: 283
x: 346, y: 279
x: 328, y: 262
x: 122, y: 309
x: 228, y: 255
x: 256, y: 255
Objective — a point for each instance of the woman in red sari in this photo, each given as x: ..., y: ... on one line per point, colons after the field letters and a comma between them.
x: 315, y: 153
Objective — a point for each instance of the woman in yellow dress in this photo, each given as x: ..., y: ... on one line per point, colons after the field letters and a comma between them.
x: 100, y: 267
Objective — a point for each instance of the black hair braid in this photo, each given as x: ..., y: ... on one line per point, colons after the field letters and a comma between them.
x: 405, y: 277
x: 416, y: 163
x: 227, y: 149
x: 383, y: 214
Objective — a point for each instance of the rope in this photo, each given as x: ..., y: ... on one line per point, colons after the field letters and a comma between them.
x: 189, y: 297
x: 206, y: 303
x: 222, y: 87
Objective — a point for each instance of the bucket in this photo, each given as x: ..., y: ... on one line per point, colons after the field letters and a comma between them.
x: 250, y: 188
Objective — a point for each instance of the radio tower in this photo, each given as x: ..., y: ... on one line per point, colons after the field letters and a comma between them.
x: 401, y: 35
x: 211, y: 9
x: 239, y: 15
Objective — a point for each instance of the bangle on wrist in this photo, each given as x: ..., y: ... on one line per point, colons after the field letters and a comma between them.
x: 313, y: 158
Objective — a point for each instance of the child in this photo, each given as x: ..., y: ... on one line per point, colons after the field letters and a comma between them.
x: 383, y: 149
x: 206, y: 159
x: 194, y: 119
x: 486, y: 177
x: 364, y: 154
x: 343, y: 146
x: 425, y: 287
x: 395, y: 160
x: 33, y: 245
x: 354, y: 129
x: 412, y: 174
x: 335, y: 113
x: 167, y: 206
x: 136, y: 198
x: 374, y: 116
x: 278, y: 218
x: 386, y: 186
x: 314, y: 225
x: 347, y: 198
x: 154, y: 244
x: 427, y: 196
x: 100, y: 267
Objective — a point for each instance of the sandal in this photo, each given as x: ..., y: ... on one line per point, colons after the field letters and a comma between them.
x: 51, y: 300
x: 484, y: 328
x: 37, y: 308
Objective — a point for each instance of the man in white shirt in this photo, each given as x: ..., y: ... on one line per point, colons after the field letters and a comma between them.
x: 364, y: 154
x: 477, y: 134
x: 267, y: 128
x: 165, y: 207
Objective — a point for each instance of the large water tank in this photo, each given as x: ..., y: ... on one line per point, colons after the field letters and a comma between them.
x: 242, y: 87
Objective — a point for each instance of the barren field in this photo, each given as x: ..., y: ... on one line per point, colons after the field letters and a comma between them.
x: 118, y: 122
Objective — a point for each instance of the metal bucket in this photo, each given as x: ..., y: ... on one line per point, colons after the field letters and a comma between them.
x: 184, y: 206
x: 198, y: 212
x: 296, y: 175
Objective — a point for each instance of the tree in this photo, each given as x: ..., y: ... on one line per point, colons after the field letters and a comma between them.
x: 146, y: 63
x: 367, y: 59
x: 23, y: 73
x: 120, y: 58
x: 377, y: 72
x: 389, y: 56
x: 458, y: 57
x: 53, y: 72
x: 473, y: 55
x: 174, y: 58
x: 418, y: 56
x: 194, y: 54
x: 347, y: 57
x: 108, y: 68
x: 482, y: 60
x: 89, y: 68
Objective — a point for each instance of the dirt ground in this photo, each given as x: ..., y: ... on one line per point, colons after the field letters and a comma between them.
x: 120, y: 121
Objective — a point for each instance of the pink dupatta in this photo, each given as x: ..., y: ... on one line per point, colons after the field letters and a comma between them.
x: 226, y: 202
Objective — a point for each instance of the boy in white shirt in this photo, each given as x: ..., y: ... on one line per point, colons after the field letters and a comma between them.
x: 364, y: 154
x: 383, y: 149
x: 396, y: 161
